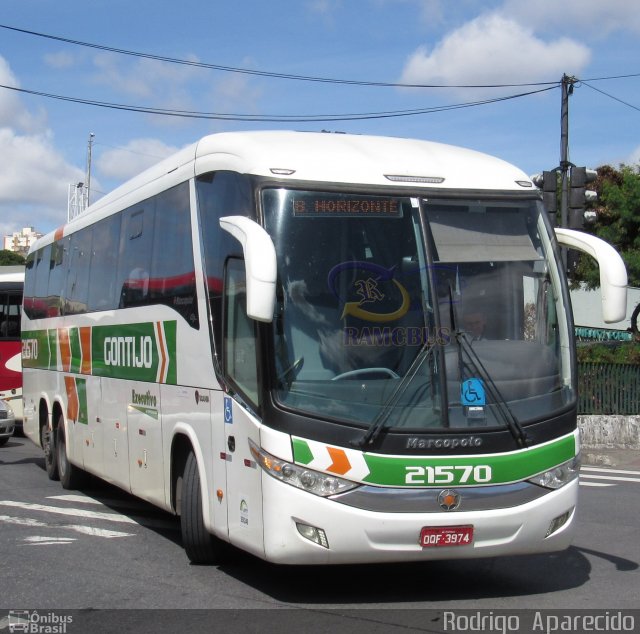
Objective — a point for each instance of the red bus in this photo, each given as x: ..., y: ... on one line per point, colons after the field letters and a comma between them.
x: 11, y: 285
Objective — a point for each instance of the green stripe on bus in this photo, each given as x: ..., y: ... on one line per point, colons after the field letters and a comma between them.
x: 302, y: 453
x: 76, y: 350
x: 83, y: 407
x: 139, y: 352
x: 455, y: 471
x: 469, y: 470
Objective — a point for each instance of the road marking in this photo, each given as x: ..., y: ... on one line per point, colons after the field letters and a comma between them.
x: 78, y: 528
x: 602, y: 470
x: 616, y: 478
x: 110, y: 517
x: 595, y: 484
x: 85, y: 499
x: 81, y: 499
x: 37, y: 540
x: 21, y: 521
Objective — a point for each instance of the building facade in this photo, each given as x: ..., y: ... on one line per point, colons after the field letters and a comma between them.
x: 20, y: 241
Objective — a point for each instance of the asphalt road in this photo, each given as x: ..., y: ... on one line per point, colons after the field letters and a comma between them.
x: 100, y: 549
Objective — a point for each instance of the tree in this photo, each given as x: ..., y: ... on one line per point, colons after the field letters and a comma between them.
x: 10, y: 258
x: 617, y: 221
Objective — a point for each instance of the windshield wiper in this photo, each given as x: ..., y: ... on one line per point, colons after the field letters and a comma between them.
x: 377, y: 424
x: 500, y: 402
x: 512, y: 423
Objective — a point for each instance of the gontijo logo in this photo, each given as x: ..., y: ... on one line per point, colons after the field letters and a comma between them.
x: 130, y: 352
x: 143, y: 351
x: 29, y: 348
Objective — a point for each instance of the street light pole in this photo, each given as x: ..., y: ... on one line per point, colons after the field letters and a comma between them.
x: 88, y: 178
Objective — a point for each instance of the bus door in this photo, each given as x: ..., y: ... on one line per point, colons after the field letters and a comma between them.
x: 244, y: 489
x: 145, y: 441
x: 113, y: 419
x: 92, y: 449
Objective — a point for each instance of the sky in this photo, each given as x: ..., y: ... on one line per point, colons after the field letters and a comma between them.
x: 466, y: 51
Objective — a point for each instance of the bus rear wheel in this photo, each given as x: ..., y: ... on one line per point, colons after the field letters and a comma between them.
x: 50, y: 459
x: 201, y: 547
x: 70, y: 476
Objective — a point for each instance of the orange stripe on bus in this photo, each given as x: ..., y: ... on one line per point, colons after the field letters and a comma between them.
x: 340, y: 464
x: 73, y: 404
x: 163, y: 356
x: 85, y: 345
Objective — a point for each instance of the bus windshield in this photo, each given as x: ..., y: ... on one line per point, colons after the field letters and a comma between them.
x: 417, y: 313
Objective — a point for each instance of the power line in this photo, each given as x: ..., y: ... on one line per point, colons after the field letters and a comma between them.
x: 606, y: 94
x: 273, y: 118
x: 260, y: 73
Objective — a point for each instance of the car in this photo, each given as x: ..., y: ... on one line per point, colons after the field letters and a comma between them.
x: 7, y: 422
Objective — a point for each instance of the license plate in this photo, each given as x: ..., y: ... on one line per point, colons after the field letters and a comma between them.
x: 435, y: 537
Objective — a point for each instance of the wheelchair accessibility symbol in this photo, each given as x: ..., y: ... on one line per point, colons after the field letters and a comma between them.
x: 472, y: 392
x: 228, y: 410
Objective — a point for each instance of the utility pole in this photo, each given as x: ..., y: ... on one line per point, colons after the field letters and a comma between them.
x: 567, y: 90
x: 88, y: 175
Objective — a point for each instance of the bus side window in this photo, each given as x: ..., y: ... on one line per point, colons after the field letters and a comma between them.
x: 41, y: 289
x: 220, y: 194
x: 239, y: 358
x: 135, y: 255
x: 104, y: 260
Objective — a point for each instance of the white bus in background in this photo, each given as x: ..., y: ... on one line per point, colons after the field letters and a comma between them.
x: 320, y: 348
x: 11, y: 283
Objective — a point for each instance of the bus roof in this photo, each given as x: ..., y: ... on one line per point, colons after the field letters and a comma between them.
x: 370, y: 160
x: 14, y: 273
x: 317, y: 156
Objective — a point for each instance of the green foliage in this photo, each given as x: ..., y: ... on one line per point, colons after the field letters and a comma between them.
x: 617, y: 222
x: 10, y: 258
x: 601, y: 353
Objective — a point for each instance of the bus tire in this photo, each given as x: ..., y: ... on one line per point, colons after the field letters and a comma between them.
x: 201, y: 547
x: 49, y: 447
x: 70, y: 476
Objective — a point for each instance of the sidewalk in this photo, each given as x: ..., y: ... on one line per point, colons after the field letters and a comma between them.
x: 626, y: 459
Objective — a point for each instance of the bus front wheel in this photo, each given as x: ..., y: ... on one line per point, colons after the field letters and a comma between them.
x: 201, y: 547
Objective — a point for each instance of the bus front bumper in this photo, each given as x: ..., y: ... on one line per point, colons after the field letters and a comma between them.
x: 353, y: 535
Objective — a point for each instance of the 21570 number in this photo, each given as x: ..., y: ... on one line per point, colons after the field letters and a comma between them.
x: 448, y: 474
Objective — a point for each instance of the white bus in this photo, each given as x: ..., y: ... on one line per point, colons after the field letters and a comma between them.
x: 11, y: 283
x: 320, y: 348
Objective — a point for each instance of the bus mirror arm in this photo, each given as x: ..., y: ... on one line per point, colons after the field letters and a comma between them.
x: 260, y: 265
x: 613, y: 273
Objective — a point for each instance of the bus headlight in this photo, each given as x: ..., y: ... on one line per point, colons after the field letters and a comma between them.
x: 560, y: 475
x: 309, y: 480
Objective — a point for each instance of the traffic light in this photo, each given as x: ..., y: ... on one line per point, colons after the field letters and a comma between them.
x: 578, y: 194
x: 548, y: 182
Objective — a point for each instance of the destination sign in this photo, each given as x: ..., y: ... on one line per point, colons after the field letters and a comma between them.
x: 308, y: 204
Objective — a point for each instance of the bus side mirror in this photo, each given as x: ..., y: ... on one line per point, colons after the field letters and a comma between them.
x: 613, y: 273
x: 260, y: 265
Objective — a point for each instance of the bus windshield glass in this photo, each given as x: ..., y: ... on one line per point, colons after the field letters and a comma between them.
x: 415, y: 313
